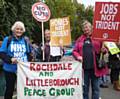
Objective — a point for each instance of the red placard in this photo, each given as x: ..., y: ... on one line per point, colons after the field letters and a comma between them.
x: 41, y: 12
x: 106, y: 26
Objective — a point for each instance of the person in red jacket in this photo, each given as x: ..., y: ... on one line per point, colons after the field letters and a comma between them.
x: 85, y: 51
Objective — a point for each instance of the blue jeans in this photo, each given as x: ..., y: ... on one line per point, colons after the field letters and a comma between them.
x: 104, y: 79
x: 90, y: 78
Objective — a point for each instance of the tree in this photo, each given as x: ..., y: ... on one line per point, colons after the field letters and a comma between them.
x: 82, y: 14
x: 13, y: 10
x: 62, y: 8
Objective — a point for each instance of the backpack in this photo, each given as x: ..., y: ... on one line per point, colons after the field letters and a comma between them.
x: 1, y: 64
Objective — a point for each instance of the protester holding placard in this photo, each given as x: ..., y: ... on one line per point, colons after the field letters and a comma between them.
x: 85, y: 51
x: 52, y: 53
x: 14, y: 48
x: 114, y: 64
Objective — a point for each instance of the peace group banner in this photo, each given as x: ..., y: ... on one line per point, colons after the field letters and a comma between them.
x: 60, y: 31
x: 61, y: 80
x: 106, y: 25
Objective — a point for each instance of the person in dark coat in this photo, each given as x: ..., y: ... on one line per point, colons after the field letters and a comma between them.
x: 47, y: 49
x: 114, y: 63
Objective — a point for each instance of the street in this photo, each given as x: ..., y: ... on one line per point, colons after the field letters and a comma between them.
x: 109, y: 93
x: 106, y: 93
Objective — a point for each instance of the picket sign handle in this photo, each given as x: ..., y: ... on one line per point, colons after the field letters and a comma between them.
x: 101, y: 54
x: 43, y: 41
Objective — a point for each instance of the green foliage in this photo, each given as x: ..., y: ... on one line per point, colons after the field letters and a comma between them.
x: 63, y: 8
x: 82, y: 13
x: 13, y: 10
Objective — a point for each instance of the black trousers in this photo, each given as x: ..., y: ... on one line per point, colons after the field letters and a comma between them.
x: 55, y: 58
x: 10, y: 84
x: 114, y: 75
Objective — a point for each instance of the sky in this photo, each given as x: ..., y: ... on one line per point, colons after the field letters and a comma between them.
x: 92, y: 2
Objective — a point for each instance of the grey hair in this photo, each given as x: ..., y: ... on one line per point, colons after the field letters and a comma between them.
x: 18, y: 23
x: 86, y: 22
x: 46, y: 30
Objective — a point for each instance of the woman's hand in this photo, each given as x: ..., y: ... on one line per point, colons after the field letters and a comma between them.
x: 104, y: 49
x: 119, y: 41
x: 80, y: 58
x: 14, y: 60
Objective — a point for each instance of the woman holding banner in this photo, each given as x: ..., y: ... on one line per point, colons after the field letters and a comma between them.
x: 14, y: 48
x: 85, y: 51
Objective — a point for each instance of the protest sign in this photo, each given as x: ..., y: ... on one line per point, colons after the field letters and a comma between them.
x: 55, y: 51
x: 54, y: 80
x: 60, y: 31
x: 112, y: 47
x: 41, y: 12
x: 106, y: 21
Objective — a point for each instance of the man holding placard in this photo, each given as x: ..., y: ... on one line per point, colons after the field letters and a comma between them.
x: 114, y: 63
x: 52, y: 53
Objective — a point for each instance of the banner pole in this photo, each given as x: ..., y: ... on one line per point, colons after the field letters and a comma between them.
x: 43, y: 41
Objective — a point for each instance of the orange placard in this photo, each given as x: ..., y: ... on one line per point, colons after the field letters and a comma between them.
x: 60, y: 32
x: 106, y: 25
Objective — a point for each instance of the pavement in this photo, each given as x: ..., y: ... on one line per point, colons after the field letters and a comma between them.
x: 106, y: 93
x: 109, y: 93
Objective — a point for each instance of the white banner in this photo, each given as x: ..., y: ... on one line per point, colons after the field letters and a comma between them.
x: 54, y: 80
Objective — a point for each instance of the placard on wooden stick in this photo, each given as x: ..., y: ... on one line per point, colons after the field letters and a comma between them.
x: 41, y: 13
x: 106, y: 25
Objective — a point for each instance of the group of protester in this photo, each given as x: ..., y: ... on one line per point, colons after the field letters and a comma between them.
x: 16, y: 48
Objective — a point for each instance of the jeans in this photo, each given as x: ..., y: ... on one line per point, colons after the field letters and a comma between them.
x: 90, y: 78
x: 104, y: 79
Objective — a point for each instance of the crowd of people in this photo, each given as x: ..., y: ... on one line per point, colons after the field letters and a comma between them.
x: 86, y: 51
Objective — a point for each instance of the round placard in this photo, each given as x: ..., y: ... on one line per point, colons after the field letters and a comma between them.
x: 41, y: 12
